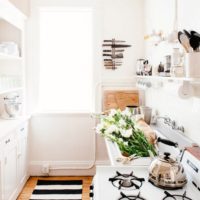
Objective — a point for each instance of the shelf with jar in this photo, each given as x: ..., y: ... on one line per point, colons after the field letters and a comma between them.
x: 176, y: 67
x: 10, y: 84
x: 12, y: 57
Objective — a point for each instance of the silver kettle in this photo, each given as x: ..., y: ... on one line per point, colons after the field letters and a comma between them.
x: 167, y: 173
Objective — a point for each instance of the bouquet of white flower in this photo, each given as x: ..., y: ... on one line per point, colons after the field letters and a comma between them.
x: 120, y: 127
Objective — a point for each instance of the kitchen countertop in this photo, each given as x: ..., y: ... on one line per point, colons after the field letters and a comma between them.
x: 6, y: 126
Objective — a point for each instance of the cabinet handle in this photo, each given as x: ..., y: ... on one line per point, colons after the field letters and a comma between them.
x: 7, y: 141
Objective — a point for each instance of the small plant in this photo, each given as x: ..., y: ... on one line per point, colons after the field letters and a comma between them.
x: 120, y: 127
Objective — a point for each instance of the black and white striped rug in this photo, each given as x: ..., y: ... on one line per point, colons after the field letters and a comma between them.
x: 59, y: 190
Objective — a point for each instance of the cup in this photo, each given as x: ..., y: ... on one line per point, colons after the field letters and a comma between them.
x: 146, y: 112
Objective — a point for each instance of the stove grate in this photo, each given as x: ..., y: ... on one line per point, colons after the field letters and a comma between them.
x: 130, y: 197
x: 126, y: 181
x: 176, y: 196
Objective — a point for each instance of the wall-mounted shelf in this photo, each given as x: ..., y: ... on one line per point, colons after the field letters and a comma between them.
x: 11, y: 14
x: 4, y: 56
x: 170, y: 79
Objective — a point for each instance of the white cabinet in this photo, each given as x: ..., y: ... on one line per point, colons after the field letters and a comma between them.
x: 9, y: 166
x: 9, y: 169
x: 1, y: 161
x: 22, y: 153
x: 13, y: 162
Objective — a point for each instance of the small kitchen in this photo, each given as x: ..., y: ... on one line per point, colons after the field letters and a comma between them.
x: 99, y: 99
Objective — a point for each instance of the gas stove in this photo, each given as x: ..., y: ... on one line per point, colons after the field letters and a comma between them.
x: 131, y: 182
x: 124, y: 183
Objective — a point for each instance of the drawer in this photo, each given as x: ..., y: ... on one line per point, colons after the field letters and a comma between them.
x: 22, y: 129
x: 8, y: 140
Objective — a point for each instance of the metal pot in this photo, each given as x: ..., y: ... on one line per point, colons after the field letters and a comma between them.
x: 167, y: 173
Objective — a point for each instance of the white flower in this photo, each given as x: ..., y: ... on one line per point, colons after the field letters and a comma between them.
x: 111, y: 129
x: 112, y: 112
x: 126, y: 143
x: 120, y: 140
x: 126, y: 133
x: 122, y: 122
x: 126, y: 112
x: 99, y: 128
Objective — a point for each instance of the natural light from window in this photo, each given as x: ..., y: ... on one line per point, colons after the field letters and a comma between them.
x: 66, y: 59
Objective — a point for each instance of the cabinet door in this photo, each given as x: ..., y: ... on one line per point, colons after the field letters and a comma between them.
x: 22, y: 153
x: 9, y: 169
x: 1, y: 179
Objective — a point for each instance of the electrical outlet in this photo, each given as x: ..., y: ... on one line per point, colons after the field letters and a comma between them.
x: 45, y: 168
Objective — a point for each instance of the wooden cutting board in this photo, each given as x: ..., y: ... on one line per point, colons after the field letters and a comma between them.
x: 119, y: 99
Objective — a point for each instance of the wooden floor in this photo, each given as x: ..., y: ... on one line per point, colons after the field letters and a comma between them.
x: 31, y: 183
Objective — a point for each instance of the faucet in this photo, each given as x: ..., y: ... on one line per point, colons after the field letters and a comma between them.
x: 169, y: 122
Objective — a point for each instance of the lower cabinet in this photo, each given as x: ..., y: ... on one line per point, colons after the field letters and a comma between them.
x: 1, y: 193
x: 22, y: 153
x: 13, y: 163
x: 10, y: 171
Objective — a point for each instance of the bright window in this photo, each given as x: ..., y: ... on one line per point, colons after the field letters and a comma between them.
x: 66, y: 59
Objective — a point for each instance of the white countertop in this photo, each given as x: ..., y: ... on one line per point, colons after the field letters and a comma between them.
x: 6, y: 126
x: 114, y: 153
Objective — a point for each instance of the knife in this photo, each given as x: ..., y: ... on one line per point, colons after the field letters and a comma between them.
x: 114, y: 40
x: 118, y: 50
x: 117, y: 45
x: 120, y: 55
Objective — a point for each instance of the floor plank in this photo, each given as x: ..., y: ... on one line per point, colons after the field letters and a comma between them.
x: 31, y: 183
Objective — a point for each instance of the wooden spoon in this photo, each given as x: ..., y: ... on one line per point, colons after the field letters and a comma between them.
x: 184, y: 40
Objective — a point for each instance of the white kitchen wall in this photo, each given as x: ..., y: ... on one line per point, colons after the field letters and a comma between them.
x: 124, y: 20
x: 159, y: 15
x: 65, y: 139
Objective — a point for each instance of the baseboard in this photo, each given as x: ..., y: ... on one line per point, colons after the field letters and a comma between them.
x: 65, y: 168
x: 20, y: 187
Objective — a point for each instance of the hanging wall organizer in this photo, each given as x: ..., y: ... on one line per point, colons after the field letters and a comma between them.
x: 113, y: 53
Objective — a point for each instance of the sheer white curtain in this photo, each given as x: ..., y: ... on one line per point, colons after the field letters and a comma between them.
x: 66, y: 59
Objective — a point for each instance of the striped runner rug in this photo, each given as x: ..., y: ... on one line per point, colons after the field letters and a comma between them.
x: 58, y: 190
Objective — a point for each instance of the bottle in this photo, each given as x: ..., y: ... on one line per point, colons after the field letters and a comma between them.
x: 161, y: 68
x: 176, y: 56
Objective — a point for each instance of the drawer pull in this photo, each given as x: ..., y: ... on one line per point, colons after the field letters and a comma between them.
x: 7, y: 141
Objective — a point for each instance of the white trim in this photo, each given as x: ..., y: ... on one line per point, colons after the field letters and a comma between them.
x: 72, y: 163
x: 33, y: 44
x: 102, y: 162
x: 35, y: 168
x: 60, y: 114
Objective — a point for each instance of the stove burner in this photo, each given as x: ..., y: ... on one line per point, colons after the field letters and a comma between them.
x: 126, y: 181
x: 130, y: 197
x: 176, y: 196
